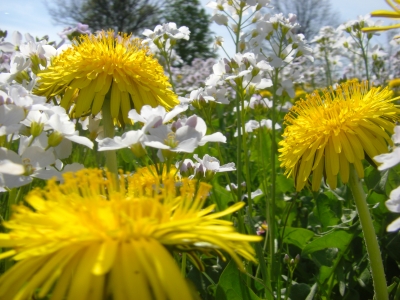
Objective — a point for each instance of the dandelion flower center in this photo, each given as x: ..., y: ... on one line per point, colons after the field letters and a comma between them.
x: 330, y: 130
x: 104, y: 66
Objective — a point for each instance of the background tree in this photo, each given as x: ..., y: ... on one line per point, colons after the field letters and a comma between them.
x: 311, y: 14
x: 131, y: 16
x: 190, y: 13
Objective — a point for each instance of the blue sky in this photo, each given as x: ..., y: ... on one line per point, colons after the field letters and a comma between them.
x: 31, y: 16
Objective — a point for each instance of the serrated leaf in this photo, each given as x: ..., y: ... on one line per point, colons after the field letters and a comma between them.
x: 232, y: 286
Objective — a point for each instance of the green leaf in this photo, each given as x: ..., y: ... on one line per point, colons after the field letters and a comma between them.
x: 297, y: 236
x: 390, y: 180
x: 336, y: 239
x: 220, y: 196
x: 326, y: 212
x: 232, y: 285
x: 299, y: 291
x: 284, y: 184
x: 325, y: 257
x: 127, y: 155
x: 372, y: 178
x: 393, y: 246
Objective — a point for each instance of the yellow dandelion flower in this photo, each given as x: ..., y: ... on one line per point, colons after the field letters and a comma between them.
x: 328, y: 131
x: 101, y: 66
x: 86, y: 239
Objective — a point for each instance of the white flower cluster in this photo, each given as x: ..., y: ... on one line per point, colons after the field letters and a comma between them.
x: 183, y: 135
x: 35, y: 136
x: 203, y: 169
x: 163, y: 38
x: 389, y: 160
x: 45, y: 133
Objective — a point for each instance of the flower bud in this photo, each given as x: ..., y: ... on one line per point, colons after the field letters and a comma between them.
x: 54, y: 139
x: 255, y: 71
x: 36, y: 128
x: 297, y: 259
x: 286, y: 259
x: 138, y: 150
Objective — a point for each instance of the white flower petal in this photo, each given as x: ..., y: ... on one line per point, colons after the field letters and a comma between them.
x: 9, y: 167
x: 80, y: 140
x: 388, y: 160
x: 111, y: 144
x: 395, y: 225
x: 215, y: 137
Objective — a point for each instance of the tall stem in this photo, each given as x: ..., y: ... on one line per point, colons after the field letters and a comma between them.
x: 274, y: 275
x: 109, y: 131
x: 371, y: 242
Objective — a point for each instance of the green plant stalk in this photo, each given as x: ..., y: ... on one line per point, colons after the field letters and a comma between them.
x: 365, y: 58
x: 274, y: 275
x: 328, y: 69
x: 371, y: 242
x: 239, y: 150
x: 109, y: 131
x: 183, y: 265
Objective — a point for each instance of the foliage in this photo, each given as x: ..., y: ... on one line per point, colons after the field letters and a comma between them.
x: 130, y: 16
x: 232, y: 111
x: 311, y: 14
x: 189, y: 13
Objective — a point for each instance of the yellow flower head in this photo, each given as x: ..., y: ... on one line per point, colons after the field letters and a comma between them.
x: 86, y: 239
x: 337, y: 127
x: 104, y: 66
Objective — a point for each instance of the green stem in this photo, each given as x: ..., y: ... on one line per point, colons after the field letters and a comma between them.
x: 274, y: 272
x: 371, y: 242
x: 183, y: 265
x: 109, y: 131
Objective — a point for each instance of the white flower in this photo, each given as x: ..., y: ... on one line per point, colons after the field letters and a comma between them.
x: 153, y: 117
x: 10, y: 118
x: 254, y: 194
x: 64, y: 128
x: 127, y: 140
x: 393, y: 204
x: 218, y: 42
x: 31, y: 160
x: 184, y: 139
x: 396, y: 135
x: 18, y: 63
x: 57, y: 171
x: 389, y: 160
x: 168, y: 29
x: 220, y: 19
x: 93, y: 126
x: 252, y: 125
x: 212, y: 164
x: 184, y: 135
x: 210, y: 93
x: 268, y: 124
x: 259, y: 102
x: 38, y: 49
